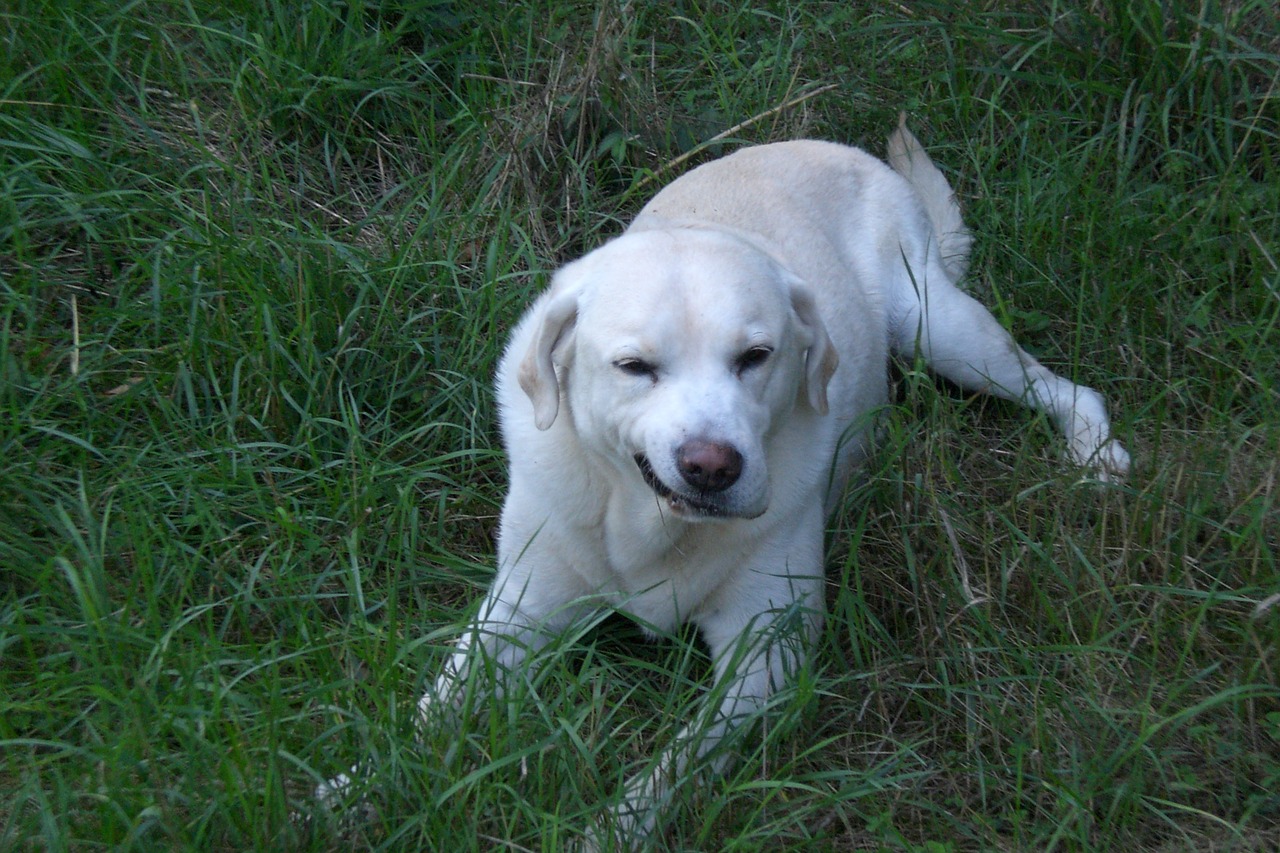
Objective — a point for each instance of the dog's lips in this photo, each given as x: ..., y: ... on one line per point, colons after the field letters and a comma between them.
x: 680, y: 504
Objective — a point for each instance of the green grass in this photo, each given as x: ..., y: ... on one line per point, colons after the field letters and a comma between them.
x: 257, y: 260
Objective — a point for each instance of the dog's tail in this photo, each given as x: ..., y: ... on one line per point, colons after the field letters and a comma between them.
x: 908, y: 159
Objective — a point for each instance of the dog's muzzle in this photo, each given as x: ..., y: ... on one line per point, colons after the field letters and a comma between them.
x: 707, y: 468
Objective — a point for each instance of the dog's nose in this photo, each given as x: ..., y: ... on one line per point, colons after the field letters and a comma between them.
x: 707, y: 466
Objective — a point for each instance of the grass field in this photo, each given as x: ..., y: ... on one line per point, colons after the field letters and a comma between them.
x: 257, y: 259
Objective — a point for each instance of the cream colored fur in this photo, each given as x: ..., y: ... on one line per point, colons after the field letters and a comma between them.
x: 683, y: 405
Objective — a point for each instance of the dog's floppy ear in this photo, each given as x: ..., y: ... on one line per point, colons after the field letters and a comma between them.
x: 821, y: 358
x: 537, y: 374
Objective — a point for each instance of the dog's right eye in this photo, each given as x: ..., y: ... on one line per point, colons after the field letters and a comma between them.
x: 636, y: 367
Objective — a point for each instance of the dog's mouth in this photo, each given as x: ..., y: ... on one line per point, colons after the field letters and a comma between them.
x: 686, y: 505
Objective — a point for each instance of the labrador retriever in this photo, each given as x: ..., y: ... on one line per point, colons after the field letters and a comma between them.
x: 682, y: 407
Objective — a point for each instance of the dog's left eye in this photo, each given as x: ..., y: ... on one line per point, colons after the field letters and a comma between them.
x: 753, y: 357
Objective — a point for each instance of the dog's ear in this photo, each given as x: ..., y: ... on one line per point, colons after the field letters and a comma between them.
x: 821, y: 358
x: 537, y: 374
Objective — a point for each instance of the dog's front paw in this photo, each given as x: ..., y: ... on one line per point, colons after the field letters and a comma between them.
x: 342, y: 803
x: 608, y: 833
x: 333, y: 792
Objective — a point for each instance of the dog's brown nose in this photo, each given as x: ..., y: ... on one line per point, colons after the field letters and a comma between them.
x: 707, y: 466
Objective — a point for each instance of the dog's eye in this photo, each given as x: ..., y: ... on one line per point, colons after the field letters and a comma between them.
x: 636, y: 367
x: 753, y: 357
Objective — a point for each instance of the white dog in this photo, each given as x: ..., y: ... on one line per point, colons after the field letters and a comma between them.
x: 682, y: 407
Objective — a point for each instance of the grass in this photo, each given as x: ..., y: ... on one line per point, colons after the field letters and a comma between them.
x: 256, y: 263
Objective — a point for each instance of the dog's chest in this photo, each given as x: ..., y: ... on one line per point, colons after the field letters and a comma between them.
x: 662, y: 567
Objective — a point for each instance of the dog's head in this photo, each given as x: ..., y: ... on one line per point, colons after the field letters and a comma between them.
x: 677, y: 352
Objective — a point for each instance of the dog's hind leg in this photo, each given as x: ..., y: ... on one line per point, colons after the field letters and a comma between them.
x: 962, y: 342
x: 958, y: 336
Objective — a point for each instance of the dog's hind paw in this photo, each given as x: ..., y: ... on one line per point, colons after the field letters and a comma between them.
x: 1114, y: 459
x: 1109, y: 463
